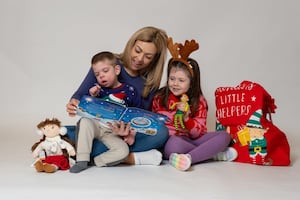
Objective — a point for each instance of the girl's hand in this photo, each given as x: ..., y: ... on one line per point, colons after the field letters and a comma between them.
x: 181, y: 106
x: 120, y: 128
x: 186, y: 115
x: 184, y: 107
x: 95, y: 90
x: 72, y: 107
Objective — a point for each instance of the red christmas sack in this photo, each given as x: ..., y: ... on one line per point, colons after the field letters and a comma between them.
x: 245, y: 112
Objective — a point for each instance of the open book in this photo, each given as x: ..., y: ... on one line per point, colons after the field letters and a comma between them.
x: 107, y: 112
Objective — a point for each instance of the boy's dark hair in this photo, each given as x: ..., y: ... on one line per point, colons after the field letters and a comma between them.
x: 104, y: 55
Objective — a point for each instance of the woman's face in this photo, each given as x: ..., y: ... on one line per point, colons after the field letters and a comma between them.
x: 142, y: 53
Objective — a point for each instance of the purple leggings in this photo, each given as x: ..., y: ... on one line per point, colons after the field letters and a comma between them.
x: 200, y: 149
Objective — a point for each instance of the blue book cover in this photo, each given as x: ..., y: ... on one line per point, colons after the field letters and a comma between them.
x: 107, y: 112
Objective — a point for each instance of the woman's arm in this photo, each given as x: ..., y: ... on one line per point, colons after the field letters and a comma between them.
x: 147, y: 102
x: 86, y: 84
x: 83, y: 89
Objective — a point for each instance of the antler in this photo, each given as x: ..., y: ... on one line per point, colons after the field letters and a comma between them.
x: 188, y: 47
x: 181, y: 52
x: 173, y: 48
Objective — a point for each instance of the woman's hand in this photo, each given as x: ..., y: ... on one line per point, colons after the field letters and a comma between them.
x: 72, y: 107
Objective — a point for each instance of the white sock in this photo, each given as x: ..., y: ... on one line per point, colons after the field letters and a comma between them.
x: 151, y: 157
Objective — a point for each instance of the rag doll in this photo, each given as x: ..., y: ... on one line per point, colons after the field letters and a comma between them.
x: 53, y: 150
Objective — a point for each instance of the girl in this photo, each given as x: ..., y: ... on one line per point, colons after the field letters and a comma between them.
x: 189, y: 142
x: 142, y: 66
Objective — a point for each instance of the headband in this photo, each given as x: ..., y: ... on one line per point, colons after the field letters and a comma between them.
x: 181, y: 52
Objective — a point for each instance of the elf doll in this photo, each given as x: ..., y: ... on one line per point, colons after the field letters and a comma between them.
x: 179, y: 113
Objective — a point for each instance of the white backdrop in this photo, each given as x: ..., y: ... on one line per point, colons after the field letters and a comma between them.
x: 46, y: 46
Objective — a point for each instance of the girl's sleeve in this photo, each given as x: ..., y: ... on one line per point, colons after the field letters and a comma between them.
x: 85, y: 85
x: 197, y: 124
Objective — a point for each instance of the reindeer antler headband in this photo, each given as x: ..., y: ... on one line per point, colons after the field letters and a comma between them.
x: 181, y: 52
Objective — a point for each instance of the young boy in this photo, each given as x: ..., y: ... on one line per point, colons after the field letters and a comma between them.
x: 106, y: 70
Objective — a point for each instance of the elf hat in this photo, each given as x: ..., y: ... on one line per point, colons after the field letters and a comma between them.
x: 118, y: 97
x: 254, y: 120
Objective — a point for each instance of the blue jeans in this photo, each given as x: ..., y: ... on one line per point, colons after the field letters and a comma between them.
x: 142, y: 142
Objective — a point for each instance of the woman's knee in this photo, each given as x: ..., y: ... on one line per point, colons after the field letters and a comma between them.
x: 163, y: 136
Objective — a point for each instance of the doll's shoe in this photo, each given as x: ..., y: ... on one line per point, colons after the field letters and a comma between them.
x: 39, y: 166
x: 181, y: 162
x: 50, y: 168
x: 229, y: 154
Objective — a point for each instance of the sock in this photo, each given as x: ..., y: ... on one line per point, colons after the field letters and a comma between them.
x: 181, y: 162
x: 229, y: 154
x: 79, y: 166
x: 151, y: 157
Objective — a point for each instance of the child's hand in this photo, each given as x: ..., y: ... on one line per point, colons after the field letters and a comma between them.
x: 120, y: 128
x: 94, y: 91
x: 186, y: 115
x: 35, y: 155
x: 181, y: 106
x: 184, y: 107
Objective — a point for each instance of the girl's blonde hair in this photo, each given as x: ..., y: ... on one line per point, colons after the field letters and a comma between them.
x: 152, y: 73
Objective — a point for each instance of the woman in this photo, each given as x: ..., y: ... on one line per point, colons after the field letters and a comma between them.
x: 142, y: 66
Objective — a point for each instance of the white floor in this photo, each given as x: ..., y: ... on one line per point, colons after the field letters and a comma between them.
x: 215, y: 180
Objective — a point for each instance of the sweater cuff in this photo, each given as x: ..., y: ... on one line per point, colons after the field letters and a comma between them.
x: 189, y: 124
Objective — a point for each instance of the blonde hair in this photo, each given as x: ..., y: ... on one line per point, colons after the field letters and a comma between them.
x: 152, y: 73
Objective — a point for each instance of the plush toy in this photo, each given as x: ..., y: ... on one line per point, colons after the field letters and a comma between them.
x: 180, y: 113
x: 53, y: 150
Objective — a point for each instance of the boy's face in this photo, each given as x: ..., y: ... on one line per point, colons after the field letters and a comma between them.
x: 106, y: 73
x: 178, y: 81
